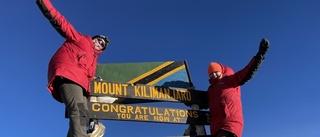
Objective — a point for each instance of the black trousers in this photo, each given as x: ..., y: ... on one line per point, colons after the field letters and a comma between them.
x: 224, y: 133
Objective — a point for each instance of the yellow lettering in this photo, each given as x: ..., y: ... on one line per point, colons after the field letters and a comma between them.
x: 138, y: 110
x: 161, y: 118
x: 146, y: 117
x: 141, y: 117
x: 144, y: 90
x: 157, y: 112
x: 195, y: 114
x: 94, y: 107
x: 189, y: 96
x: 173, y: 93
x: 172, y: 112
x: 183, y: 96
x: 125, y: 89
x: 167, y: 93
x: 97, y: 87
x: 166, y: 112
x: 178, y: 96
x: 136, y: 117
x: 144, y: 110
x: 182, y: 113
x: 123, y: 109
x: 156, y: 118
x: 136, y: 91
x: 105, y: 107
x: 176, y: 119
x: 112, y: 88
x: 130, y: 109
x: 124, y: 116
x: 104, y: 88
x: 114, y: 108
x: 161, y: 95
x: 167, y: 119
x: 108, y: 88
x: 152, y: 111
x: 155, y: 92
x: 118, y: 89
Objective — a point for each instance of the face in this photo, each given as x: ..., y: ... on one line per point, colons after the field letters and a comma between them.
x: 99, y: 43
x: 215, y: 75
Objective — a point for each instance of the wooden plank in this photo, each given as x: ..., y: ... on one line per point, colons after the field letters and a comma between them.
x: 128, y: 112
x: 146, y: 92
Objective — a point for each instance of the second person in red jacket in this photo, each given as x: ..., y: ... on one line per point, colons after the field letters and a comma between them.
x: 225, y: 96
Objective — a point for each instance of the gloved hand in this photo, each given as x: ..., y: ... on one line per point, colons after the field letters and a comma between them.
x: 98, y: 78
x: 264, y: 46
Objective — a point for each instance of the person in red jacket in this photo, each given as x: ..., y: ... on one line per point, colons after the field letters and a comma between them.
x: 225, y: 97
x: 72, y: 68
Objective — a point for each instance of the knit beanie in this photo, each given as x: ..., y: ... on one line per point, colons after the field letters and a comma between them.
x: 214, y: 67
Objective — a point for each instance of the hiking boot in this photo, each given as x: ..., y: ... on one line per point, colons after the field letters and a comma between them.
x: 96, y: 129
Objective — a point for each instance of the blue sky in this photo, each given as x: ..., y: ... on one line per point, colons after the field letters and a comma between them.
x: 281, y: 100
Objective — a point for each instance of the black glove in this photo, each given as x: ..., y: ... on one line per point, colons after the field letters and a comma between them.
x: 98, y: 78
x: 264, y: 46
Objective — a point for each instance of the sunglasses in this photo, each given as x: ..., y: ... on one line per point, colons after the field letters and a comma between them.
x: 104, y: 44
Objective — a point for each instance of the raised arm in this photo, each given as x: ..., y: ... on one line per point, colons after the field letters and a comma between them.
x: 244, y: 75
x: 64, y: 28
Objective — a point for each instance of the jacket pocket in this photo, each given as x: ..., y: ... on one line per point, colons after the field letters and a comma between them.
x: 82, y: 60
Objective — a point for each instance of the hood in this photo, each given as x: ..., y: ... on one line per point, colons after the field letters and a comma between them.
x: 97, y: 51
x: 227, y: 71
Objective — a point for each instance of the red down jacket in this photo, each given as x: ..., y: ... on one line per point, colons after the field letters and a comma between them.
x: 76, y: 59
x: 225, y: 98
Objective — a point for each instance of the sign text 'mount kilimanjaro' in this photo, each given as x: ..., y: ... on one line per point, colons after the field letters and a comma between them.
x: 125, y: 90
